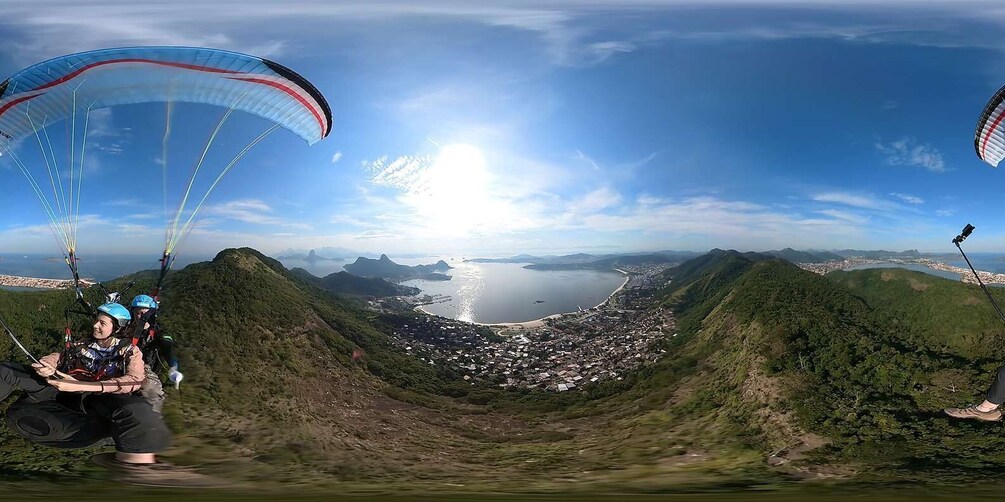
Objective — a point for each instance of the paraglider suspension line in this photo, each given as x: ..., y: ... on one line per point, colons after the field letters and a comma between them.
x: 18, y: 342
x: 979, y: 281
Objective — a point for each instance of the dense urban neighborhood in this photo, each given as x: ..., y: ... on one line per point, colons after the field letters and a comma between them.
x: 35, y: 282
x: 558, y: 353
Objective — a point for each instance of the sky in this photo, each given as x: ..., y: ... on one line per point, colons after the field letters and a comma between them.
x: 506, y: 127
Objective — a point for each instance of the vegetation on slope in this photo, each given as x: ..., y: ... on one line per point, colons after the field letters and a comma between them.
x: 773, y: 374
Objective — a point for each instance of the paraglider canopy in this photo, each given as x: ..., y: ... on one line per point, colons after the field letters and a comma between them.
x: 67, y: 89
x: 989, y: 138
x: 54, y: 90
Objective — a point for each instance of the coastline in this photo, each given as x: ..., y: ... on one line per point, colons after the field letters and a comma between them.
x: 965, y: 274
x: 537, y: 323
x: 36, y: 283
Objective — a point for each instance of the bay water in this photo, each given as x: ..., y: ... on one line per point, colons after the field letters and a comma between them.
x: 490, y: 293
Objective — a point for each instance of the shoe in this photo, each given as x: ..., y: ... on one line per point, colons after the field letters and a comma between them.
x: 972, y: 412
x: 160, y: 473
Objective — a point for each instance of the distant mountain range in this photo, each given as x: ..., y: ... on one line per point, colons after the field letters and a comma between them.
x: 607, y: 261
x: 387, y: 269
x: 816, y: 256
x: 588, y: 260
x: 583, y: 259
x: 348, y: 284
x: 311, y: 257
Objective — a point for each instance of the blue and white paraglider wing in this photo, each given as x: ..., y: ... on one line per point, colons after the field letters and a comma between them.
x: 989, y: 139
x: 56, y: 89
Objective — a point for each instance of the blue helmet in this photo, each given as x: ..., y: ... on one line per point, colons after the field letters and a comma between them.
x: 117, y: 312
x: 144, y: 302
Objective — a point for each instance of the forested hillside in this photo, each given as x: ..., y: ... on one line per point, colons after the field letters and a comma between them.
x: 773, y: 375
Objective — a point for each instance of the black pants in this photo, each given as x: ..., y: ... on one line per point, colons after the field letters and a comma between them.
x: 15, y: 376
x: 996, y: 394
x: 72, y: 419
x: 49, y: 423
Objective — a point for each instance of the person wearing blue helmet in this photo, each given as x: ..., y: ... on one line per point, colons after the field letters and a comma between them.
x: 94, y: 384
x: 158, y: 350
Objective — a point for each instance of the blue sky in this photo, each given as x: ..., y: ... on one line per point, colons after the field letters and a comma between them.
x: 551, y: 126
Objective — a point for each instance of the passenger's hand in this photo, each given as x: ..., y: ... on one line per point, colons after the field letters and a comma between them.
x: 44, y: 370
x: 175, y: 376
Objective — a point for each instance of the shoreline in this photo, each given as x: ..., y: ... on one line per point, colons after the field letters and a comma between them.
x: 537, y: 323
x: 964, y: 275
x: 38, y: 283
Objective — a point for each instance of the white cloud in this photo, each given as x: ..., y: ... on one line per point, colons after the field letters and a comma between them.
x: 596, y: 200
x: 249, y: 211
x: 907, y: 152
x: 571, y: 33
x: 122, y: 202
x: 910, y: 199
x: 435, y: 100
x: 92, y: 233
x: 144, y: 216
x: 845, y: 215
x: 238, y: 27
x: 712, y: 220
x: 649, y: 200
x: 945, y: 213
x: 405, y: 172
x: 627, y: 167
x: 376, y: 234
x: 346, y: 220
x: 589, y: 160
x: 631, y: 166
x: 863, y: 201
x: 601, y: 51
x: 99, y: 123
x: 337, y: 157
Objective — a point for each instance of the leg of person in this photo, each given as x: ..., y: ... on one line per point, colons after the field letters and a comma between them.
x: 49, y: 423
x: 18, y: 376
x: 138, y: 431
x: 989, y: 409
x: 996, y: 393
x: 153, y: 390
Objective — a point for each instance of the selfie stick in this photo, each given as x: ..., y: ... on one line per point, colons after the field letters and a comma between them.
x: 960, y: 238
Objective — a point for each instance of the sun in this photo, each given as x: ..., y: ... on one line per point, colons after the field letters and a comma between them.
x: 455, y: 196
x: 458, y: 170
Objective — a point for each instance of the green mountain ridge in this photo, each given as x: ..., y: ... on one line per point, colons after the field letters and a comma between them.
x: 348, y: 284
x: 851, y: 379
x: 774, y: 376
x: 803, y: 256
x: 387, y: 269
x: 272, y: 395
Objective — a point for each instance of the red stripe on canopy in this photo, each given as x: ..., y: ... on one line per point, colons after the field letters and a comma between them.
x: 291, y: 92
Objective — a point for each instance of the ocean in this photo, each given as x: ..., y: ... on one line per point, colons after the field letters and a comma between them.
x: 100, y: 268
x: 987, y: 262
x: 910, y: 266
x: 491, y: 293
